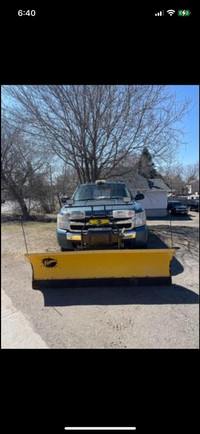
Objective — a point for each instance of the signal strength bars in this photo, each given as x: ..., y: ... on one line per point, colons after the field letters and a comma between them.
x: 159, y: 14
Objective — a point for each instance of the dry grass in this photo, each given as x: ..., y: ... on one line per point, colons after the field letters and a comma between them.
x: 39, y: 237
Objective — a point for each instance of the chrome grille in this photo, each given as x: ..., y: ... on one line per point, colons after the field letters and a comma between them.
x: 79, y: 225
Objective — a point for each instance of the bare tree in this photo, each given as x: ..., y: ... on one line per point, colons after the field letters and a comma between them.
x: 191, y: 172
x: 19, y: 162
x: 94, y: 128
x: 66, y: 181
x: 172, y: 176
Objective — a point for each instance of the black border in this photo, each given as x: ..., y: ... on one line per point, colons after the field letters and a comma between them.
x: 77, y: 44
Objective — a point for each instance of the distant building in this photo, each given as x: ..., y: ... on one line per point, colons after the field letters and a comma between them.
x: 193, y: 188
x: 155, y: 191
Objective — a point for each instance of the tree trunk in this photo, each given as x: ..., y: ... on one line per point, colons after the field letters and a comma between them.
x: 25, y: 213
x: 19, y: 198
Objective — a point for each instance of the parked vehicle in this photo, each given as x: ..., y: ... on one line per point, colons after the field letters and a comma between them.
x: 177, y: 207
x: 102, y: 214
x: 193, y: 205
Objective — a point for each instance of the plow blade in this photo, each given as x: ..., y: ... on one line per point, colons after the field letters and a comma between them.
x: 67, y: 269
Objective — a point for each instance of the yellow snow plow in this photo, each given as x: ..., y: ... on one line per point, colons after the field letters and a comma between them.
x: 78, y: 268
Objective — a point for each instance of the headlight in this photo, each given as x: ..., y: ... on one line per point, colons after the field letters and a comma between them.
x: 73, y: 215
x: 140, y: 219
x: 123, y: 213
x: 62, y: 221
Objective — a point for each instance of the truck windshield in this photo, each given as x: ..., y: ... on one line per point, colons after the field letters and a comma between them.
x: 101, y: 191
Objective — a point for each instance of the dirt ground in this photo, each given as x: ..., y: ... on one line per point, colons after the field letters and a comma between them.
x: 122, y: 317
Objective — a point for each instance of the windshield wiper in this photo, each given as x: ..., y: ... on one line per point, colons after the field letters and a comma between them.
x: 87, y: 198
x: 94, y: 198
x: 101, y: 197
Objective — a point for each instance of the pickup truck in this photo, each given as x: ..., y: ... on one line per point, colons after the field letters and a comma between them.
x: 102, y: 215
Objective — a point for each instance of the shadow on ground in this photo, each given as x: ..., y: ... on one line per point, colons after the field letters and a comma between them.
x: 155, y: 242
x: 143, y: 295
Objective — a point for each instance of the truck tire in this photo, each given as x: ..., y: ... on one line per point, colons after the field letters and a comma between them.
x: 131, y: 244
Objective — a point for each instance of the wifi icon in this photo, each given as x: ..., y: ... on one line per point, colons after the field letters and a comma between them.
x: 171, y: 12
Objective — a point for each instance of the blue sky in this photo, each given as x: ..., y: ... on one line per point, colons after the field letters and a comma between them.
x: 189, y: 153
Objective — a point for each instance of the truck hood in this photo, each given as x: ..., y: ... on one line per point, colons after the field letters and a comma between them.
x: 97, y: 207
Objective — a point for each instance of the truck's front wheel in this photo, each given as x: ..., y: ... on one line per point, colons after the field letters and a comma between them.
x: 132, y: 244
x: 63, y: 249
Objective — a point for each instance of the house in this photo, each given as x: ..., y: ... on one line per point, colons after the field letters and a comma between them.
x: 155, y: 194
x: 193, y: 189
x: 155, y: 191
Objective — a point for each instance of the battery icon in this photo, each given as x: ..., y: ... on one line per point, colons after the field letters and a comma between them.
x: 184, y: 13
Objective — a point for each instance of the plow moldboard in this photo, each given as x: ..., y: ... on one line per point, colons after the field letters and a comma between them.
x: 62, y: 269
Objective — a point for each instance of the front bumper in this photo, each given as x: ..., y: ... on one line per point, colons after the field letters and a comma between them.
x: 100, y: 236
x: 177, y: 211
x: 73, y: 236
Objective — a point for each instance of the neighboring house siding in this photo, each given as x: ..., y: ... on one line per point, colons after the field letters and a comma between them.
x: 155, y: 203
x: 159, y: 212
x: 154, y: 190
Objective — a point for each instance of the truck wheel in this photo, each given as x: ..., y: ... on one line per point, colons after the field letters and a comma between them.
x: 131, y: 244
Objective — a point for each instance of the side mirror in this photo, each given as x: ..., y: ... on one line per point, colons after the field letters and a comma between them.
x: 126, y: 199
x: 64, y: 199
x: 70, y: 201
x: 139, y: 196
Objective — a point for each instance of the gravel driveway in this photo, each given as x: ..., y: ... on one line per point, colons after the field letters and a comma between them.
x: 122, y: 317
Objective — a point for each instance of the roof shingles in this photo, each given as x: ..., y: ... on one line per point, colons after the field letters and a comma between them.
x: 136, y: 182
